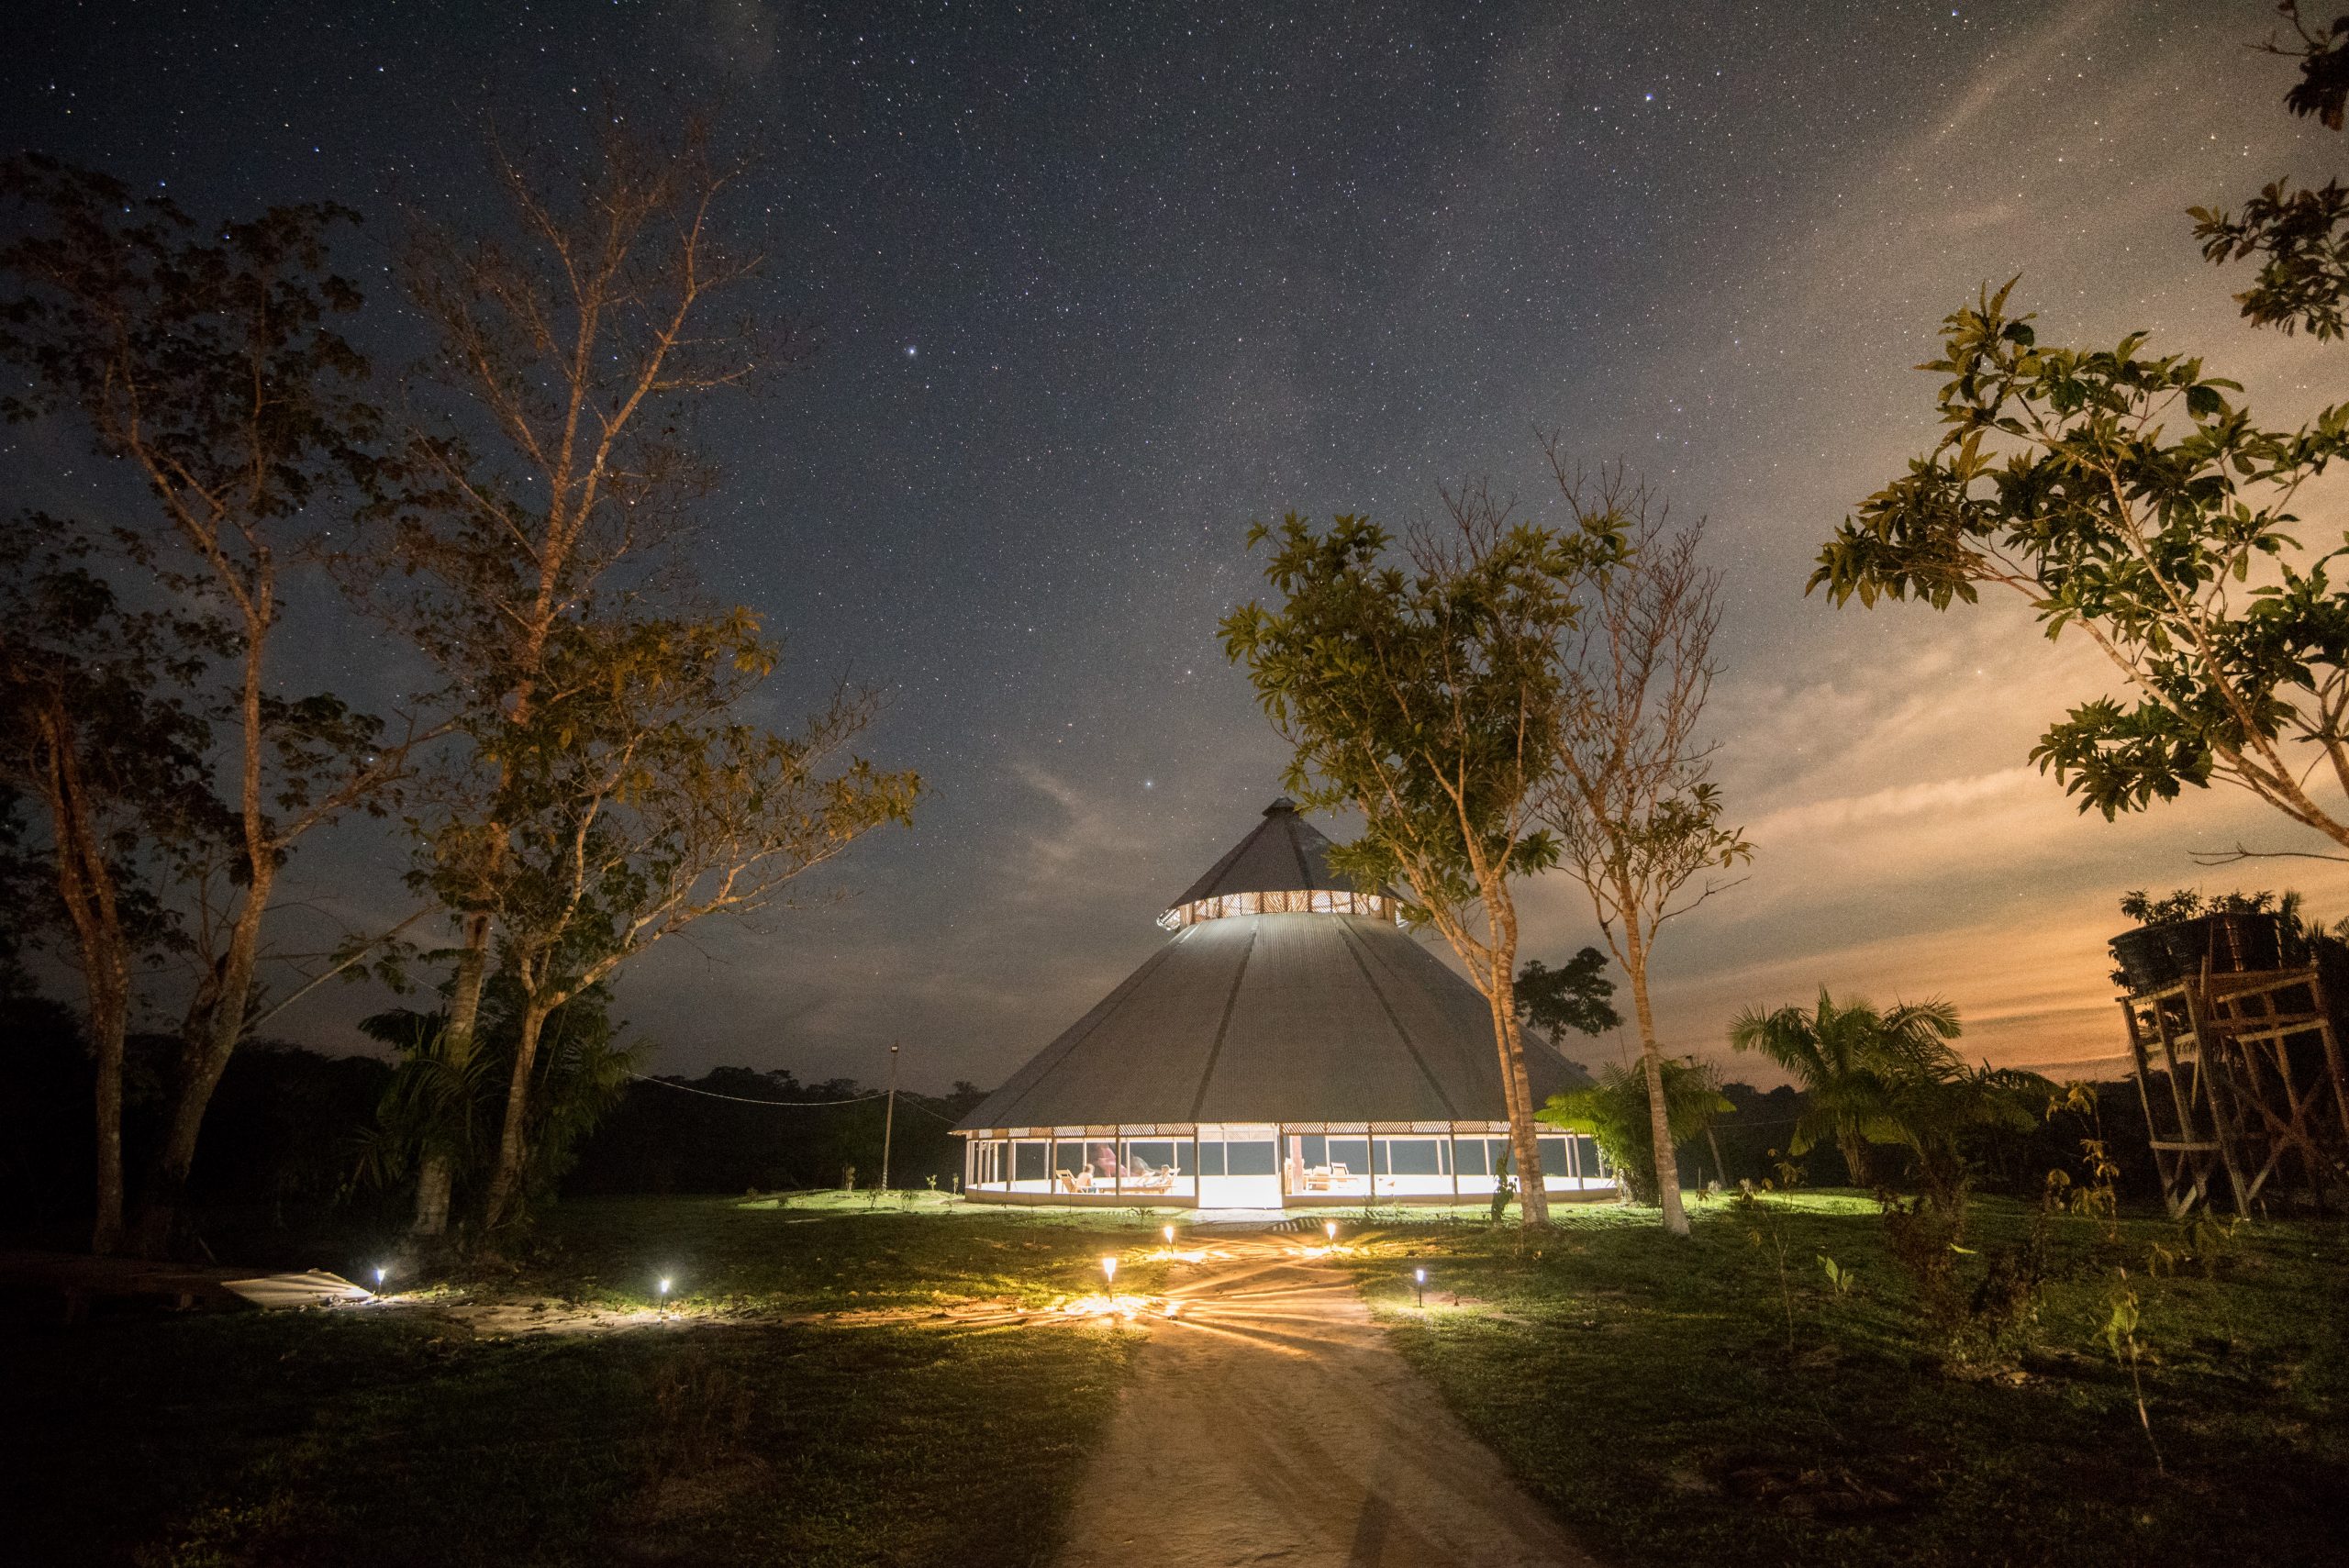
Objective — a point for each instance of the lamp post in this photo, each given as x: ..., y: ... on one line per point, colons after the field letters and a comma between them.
x: 380, y: 1272
x: 664, y: 1296
x: 889, y: 1120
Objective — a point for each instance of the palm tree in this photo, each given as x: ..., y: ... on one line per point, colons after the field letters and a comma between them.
x: 1863, y: 1071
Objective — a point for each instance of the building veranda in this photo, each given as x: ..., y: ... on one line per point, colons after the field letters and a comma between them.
x: 1289, y: 1045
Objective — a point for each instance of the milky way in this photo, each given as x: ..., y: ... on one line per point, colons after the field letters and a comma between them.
x: 1093, y: 286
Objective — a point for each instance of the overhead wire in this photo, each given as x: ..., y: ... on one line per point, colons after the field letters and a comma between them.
x: 908, y: 1100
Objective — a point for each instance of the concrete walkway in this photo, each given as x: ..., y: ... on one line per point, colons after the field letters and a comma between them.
x: 1268, y: 1422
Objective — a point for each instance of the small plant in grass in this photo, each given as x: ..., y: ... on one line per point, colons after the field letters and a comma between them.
x: 1974, y: 1322
x: 1843, y: 1281
x: 2121, y: 1338
x: 1764, y: 1229
x: 2097, y: 1195
x: 1504, y: 1187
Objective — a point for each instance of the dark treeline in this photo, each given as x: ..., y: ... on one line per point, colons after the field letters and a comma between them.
x: 662, y: 1139
x: 292, y: 1124
x: 1748, y: 1142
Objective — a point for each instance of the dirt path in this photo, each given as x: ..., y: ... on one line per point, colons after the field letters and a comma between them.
x: 1268, y: 1422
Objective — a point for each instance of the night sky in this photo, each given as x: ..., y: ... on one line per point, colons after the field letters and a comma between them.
x: 1096, y: 284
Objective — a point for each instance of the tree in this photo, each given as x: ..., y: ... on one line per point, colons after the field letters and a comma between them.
x: 1847, y: 1061
x: 443, y: 1107
x: 2129, y: 496
x: 1574, y: 996
x: 2305, y: 274
x: 638, y: 803
x: 100, y: 728
x: 1630, y: 802
x: 1618, y: 1111
x: 2058, y: 480
x: 205, y: 359
x: 1889, y: 1079
x: 551, y: 468
x: 1422, y: 696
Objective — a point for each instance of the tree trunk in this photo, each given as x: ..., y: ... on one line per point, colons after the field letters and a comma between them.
x: 513, y: 1141
x: 85, y: 886
x: 1533, y: 1199
x: 1855, y: 1160
x: 1667, y: 1165
x: 435, y: 1176
x: 214, y: 1025
x: 110, y: 1021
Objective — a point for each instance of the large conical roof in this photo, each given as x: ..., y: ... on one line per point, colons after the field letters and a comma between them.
x: 1292, y: 1017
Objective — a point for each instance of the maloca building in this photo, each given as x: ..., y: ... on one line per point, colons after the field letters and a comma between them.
x: 1289, y: 1045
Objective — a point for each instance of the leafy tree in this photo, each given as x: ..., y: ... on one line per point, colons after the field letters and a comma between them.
x: 206, y: 358
x: 551, y: 473
x: 640, y: 803
x: 1630, y: 802
x: 1573, y: 996
x: 2059, y: 481
x: 2304, y: 276
x: 100, y: 730
x: 1423, y: 695
x: 1618, y: 1111
x: 2133, y: 497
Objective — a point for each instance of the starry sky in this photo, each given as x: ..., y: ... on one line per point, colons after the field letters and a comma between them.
x: 1096, y: 284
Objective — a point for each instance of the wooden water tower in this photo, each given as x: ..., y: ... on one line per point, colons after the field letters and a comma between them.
x: 2234, y: 1034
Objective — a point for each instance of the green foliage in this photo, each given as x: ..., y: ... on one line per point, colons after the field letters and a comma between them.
x: 2059, y: 479
x: 1615, y: 1111
x: 446, y: 1090
x: 1422, y: 696
x: 2120, y: 1335
x: 1425, y: 696
x: 1844, y: 1060
x: 2133, y: 496
x: 1574, y: 996
x: 2305, y: 273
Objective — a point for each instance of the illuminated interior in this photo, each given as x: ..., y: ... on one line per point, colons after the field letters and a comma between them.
x: 1378, y: 906
x: 1271, y: 1166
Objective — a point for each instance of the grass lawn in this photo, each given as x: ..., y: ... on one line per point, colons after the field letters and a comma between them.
x: 1647, y: 1391
x: 750, y: 1430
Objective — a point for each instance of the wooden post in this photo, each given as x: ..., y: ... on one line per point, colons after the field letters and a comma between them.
x: 2210, y: 1047
x: 2333, y: 1065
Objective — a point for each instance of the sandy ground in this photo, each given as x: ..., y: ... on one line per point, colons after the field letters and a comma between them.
x: 1268, y: 1422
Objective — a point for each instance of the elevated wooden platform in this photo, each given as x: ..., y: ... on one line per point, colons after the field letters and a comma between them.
x: 2242, y: 1078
